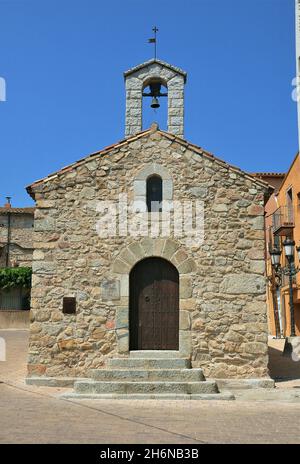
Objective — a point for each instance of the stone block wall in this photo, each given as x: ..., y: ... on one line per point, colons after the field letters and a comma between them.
x: 223, y: 321
x: 135, y: 83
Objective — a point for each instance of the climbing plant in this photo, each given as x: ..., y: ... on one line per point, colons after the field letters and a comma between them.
x: 11, y: 277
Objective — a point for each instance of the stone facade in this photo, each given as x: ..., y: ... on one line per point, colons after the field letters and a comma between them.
x: 136, y: 79
x: 21, y: 236
x: 223, y: 319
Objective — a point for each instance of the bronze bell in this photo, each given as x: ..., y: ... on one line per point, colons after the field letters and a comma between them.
x: 155, y: 103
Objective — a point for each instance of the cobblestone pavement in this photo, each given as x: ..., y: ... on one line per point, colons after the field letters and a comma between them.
x: 36, y: 415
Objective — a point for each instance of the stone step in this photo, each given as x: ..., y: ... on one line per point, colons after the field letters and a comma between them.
x: 177, y: 375
x: 224, y: 396
x: 154, y: 354
x: 148, y: 363
x: 95, y: 387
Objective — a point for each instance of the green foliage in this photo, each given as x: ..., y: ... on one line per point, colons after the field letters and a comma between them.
x: 12, y: 277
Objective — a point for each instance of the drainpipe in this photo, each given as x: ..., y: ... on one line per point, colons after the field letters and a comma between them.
x: 8, y: 206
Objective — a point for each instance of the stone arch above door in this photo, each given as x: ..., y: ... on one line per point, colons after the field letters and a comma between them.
x: 166, y: 248
x: 172, y: 251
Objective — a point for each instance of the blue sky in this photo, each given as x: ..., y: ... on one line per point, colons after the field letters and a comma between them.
x: 63, y: 63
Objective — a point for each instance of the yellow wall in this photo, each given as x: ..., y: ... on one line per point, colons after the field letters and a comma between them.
x: 292, y: 180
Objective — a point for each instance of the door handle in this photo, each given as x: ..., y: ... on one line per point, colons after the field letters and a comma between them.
x: 147, y: 298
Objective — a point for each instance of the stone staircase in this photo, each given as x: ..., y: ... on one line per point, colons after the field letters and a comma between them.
x: 148, y: 375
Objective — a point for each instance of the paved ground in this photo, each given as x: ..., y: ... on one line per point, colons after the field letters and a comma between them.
x: 37, y: 415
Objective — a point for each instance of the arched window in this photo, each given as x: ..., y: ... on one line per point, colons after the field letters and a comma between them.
x: 153, y: 183
x: 154, y: 194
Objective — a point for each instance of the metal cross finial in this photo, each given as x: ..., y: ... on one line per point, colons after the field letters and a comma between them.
x: 153, y: 40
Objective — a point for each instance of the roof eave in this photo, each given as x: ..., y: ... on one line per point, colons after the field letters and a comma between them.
x: 83, y: 160
x: 206, y: 153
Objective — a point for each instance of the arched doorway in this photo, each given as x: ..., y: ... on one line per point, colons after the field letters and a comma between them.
x: 154, y: 305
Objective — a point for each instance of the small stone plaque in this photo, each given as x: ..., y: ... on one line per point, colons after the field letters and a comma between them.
x: 69, y: 305
x: 110, y: 290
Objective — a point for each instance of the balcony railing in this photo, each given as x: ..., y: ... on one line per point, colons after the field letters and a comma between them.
x: 283, y: 220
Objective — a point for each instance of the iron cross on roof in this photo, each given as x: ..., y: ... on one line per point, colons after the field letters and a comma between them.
x: 153, y: 40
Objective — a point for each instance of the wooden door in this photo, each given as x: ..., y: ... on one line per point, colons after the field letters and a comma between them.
x: 154, y: 306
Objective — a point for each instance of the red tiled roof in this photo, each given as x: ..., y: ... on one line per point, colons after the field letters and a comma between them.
x: 268, y: 174
x: 156, y: 60
x: 144, y: 133
x: 5, y: 210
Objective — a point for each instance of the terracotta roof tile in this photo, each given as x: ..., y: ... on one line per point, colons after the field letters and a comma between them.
x: 129, y: 140
x: 268, y: 174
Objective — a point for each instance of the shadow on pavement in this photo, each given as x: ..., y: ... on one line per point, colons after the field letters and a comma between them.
x: 282, y: 368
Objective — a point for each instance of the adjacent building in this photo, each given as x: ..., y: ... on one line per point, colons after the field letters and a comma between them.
x: 16, y: 250
x: 16, y: 236
x: 283, y: 221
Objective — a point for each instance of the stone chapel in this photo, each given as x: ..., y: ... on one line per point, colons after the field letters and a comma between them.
x: 148, y: 263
